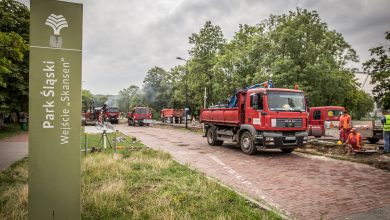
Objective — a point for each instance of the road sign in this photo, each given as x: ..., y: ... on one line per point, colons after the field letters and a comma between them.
x: 54, y: 109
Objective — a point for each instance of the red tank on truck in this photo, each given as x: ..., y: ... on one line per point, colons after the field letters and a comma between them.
x: 259, y: 117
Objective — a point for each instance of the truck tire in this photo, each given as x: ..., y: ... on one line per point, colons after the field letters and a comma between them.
x: 212, y: 137
x: 373, y: 140
x: 287, y: 150
x: 247, y: 144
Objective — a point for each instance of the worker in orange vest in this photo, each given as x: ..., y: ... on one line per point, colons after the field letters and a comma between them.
x: 345, y: 126
x: 354, y: 141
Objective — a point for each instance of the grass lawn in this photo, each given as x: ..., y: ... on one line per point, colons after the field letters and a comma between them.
x: 136, y: 183
x: 10, y: 130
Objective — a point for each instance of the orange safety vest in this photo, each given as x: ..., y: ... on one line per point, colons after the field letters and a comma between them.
x: 355, y: 139
x: 345, y: 121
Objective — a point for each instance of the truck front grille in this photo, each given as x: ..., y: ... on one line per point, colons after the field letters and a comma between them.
x: 289, y: 122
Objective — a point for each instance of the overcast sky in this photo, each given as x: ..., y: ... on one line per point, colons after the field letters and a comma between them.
x: 124, y: 38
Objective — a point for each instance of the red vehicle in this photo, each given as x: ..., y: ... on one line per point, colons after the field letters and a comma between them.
x: 139, y: 115
x: 112, y: 115
x: 172, y: 115
x: 324, y: 121
x: 319, y: 116
x: 260, y: 117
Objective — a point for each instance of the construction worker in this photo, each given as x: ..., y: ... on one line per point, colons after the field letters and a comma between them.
x: 354, y: 141
x: 345, y: 126
x: 386, y: 131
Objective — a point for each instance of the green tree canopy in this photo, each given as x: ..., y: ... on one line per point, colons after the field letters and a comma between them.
x: 125, y: 95
x: 86, y: 100
x: 379, y: 69
x: 14, y: 32
x: 206, y: 46
x: 293, y: 48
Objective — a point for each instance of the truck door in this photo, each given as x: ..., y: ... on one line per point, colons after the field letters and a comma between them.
x: 254, y: 110
x: 316, y: 120
x: 242, y: 104
x: 315, y: 123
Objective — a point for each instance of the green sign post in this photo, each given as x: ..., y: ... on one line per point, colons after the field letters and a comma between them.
x: 55, y: 107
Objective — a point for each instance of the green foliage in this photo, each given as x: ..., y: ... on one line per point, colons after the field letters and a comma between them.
x: 136, y: 183
x: 10, y: 130
x: 294, y: 48
x: 125, y: 95
x: 14, y: 36
x: 206, y: 46
x: 15, y: 17
x: 99, y: 100
x: 306, y: 53
x: 86, y: 100
x: 359, y: 103
x: 157, y: 88
x: 379, y: 69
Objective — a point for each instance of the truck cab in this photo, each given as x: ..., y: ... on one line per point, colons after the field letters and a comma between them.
x: 261, y: 117
x: 112, y: 114
x: 319, y: 116
x: 324, y: 121
x: 139, y: 115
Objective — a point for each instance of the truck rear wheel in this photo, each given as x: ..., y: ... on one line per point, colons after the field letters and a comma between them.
x: 212, y: 137
x: 287, y: 150
x: 247, y: 144
x: 373, y: 140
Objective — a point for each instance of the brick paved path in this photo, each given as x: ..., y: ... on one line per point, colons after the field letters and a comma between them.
x: 13, y: 149
x: 302, y: 187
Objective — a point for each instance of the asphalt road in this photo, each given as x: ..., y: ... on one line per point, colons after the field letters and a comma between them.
x: 13, y: 149
x: 301, y: 186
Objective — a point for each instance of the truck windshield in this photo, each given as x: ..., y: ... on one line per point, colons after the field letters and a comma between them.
x: 113, y: 109
x: 335, y: 113
x: 141, y: 111
x: 286, y: 101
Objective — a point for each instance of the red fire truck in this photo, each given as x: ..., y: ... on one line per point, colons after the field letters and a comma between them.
x: 259, y: 117
x: 172, y: 115
x: 319, y: 115
x: 324, y: 121
x: 112, y: 114
x: 140, y: 116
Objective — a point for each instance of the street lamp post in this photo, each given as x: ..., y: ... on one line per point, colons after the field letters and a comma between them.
x: 186, y: 88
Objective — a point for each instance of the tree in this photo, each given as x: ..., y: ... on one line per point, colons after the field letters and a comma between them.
x: 125, y: 95
x: 379, y: 69
x: 294, y: 48
x: 100, y: 100
x: 14, y: 33
x: 360, y: 103
x: 207, y: 44
x: 157, y: 88
x: 86, y: 100
x: 304, y: 51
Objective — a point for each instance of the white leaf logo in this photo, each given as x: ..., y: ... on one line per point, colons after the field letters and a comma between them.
x: 57, y: 22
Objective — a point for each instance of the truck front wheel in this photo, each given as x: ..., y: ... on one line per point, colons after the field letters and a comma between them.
x: 246, y: 143
x: 212, y: 137
x: 287, y: 150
